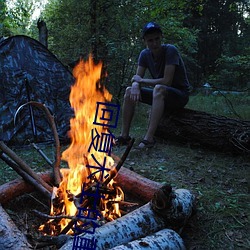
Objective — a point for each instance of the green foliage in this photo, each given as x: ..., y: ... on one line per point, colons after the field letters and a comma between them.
x: 233, y: 72
x: 20, y: 16
x: 212, y: 36
x: 4, y: 19
x: 233, y: 106
x: 111, y: 30
x: 223, y: 31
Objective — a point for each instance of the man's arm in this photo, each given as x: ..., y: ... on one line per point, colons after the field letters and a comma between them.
x: 166, y: 80
x: 135, y: 93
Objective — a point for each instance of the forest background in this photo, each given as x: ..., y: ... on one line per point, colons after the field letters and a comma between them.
x: 213, y: 36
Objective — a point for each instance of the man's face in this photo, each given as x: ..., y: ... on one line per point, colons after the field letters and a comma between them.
x: 153, y: 40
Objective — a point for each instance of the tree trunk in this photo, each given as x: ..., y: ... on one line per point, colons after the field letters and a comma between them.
x: 10, y: 237
x: 212, y: 131
x: 43, y: 32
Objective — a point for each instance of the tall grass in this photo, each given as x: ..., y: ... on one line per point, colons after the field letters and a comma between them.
x: 233, y: 106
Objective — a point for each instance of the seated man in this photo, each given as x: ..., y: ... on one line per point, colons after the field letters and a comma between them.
x: 168, y: 89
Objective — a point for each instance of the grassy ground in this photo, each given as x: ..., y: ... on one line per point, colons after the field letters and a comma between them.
x: 219, y: 180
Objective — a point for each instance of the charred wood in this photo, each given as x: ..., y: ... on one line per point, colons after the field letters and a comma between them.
x: 46, y: 241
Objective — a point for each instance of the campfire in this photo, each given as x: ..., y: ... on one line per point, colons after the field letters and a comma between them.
x: 87, y: 198
x: 88, y: 157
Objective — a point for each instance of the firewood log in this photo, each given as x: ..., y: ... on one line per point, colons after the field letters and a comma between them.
x: 165, y: 209
x: 18, y: 187
x: 210, y: 131
x: 140, y: 187
x: 10, y: 237
x: 161, y: 240
x: 131, y: 182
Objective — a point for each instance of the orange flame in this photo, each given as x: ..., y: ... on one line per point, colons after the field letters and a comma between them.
x: 85, y: 94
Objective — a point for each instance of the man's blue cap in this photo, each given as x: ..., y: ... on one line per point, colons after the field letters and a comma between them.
x: 150, y: 26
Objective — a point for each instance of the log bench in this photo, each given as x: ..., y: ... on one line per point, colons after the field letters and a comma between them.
x: 211, y: 131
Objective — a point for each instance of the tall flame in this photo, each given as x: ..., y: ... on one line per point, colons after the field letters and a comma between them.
x: 85, y: 94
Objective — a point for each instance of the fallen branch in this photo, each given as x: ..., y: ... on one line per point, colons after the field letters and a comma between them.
x: 26, y: 176
x: 212, y: 131
x: 23, y: 165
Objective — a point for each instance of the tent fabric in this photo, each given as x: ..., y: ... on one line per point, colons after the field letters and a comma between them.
x: 30, y: 72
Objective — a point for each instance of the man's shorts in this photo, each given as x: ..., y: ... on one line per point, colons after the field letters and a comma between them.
x: 175, y: 99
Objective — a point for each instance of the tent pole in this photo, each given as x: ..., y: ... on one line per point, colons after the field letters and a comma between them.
x: 33, y: 125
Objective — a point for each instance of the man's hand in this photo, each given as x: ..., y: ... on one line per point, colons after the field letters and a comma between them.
x: 135, y: 93
x: 136, y: 78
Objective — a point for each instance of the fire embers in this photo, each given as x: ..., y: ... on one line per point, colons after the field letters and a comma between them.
x: 96, y: 205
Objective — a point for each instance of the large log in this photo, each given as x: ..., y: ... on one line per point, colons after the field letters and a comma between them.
x: 150, y: 218
x: 212, y: 131
x: 161, y: 240
x: 136, y: 185
x: 10, y: 237
x: 131, y: 182
x: 18, y: 187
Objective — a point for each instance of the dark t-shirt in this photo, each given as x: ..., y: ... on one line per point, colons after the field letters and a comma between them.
x: 171, y: 56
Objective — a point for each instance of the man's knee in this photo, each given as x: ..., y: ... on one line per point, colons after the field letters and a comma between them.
x: 159, y: 91
x: 127, y: 92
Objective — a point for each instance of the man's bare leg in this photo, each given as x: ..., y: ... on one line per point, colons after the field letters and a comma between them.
x: 128, y: 110
x: 156, y: 112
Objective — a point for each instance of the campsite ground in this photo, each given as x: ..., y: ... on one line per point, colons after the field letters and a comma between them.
x: 219, y: 180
